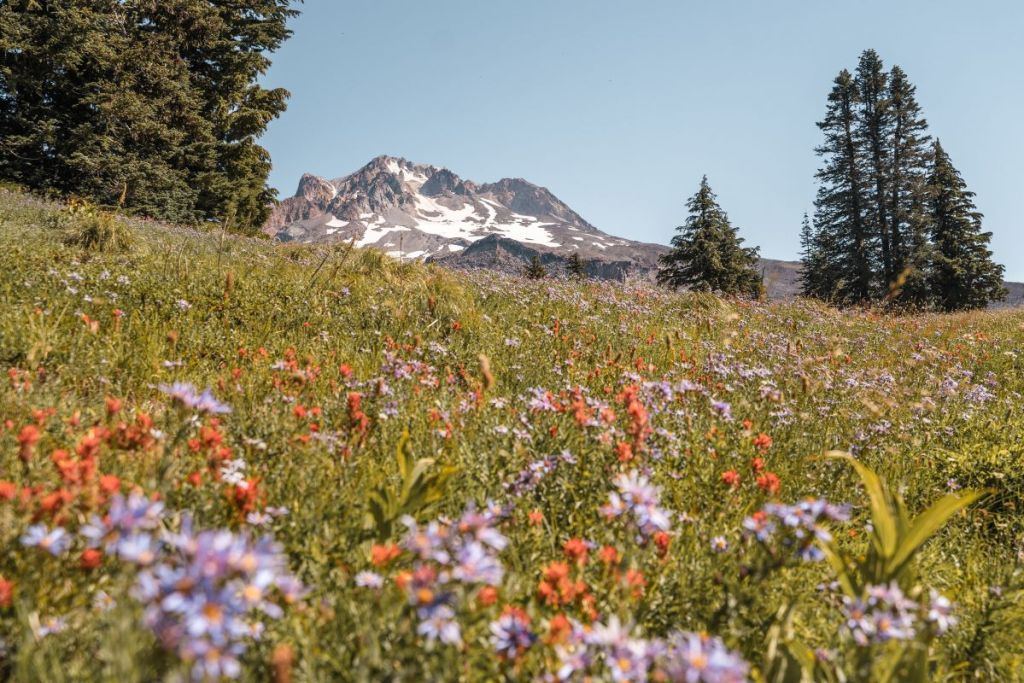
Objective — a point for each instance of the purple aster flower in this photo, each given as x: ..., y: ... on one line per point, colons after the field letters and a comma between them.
x: 511, y: 634
x: 369, y: 580
x: 438, y: 623
x: 55, y: 541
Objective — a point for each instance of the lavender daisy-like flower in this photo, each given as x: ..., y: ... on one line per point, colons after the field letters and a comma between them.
x: 640, y: 499
x: 438, y: 623
x: 884, y: 614
x: 367, y: 579
x: 693, y: 658
x: 511, y: 634
x: 796, y: 526
x: 940, y: 613
x: 723, y: 409
x: 205, y: 588
x: 54, y: 541
x: 189, y: 398
x: 476, y: 565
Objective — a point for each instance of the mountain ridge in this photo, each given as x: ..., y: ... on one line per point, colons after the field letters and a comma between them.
x: 422, y: 211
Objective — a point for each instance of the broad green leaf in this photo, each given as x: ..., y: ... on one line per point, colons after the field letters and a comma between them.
x: 882, y: 516
x: 926, y: 524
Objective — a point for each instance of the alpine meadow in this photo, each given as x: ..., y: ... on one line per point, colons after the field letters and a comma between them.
x: 408, y: 426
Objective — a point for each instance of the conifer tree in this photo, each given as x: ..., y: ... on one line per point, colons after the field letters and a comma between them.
x: 707, y: 253
x: 576, y: 267
x: 151, y: 105
x: 915, y: 280
x: 874, y: 136
x: 964, y: 276
x: 840, y: 211
x: 908, y: 169
x: 535, y: 270
x: 815, y: 272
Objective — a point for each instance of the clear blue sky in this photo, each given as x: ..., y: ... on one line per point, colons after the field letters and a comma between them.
x: 620, y: 107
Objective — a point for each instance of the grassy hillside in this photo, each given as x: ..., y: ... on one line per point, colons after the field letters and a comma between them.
x: 477, y: 477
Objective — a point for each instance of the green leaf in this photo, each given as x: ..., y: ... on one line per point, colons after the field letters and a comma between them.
x: 883, y: 518
x: 836, y: 559
x: 403, y: 455
x: 926, y: 524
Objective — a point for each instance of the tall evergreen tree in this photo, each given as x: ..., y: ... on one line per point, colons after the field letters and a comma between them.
x: 874, y: 136
x: 153, y: 105
x: 840, y: 212
x: 707, y: 252
x: 908, y: 169
x: 893, y: 221
x: 815, y: 270
x: 964, y: 276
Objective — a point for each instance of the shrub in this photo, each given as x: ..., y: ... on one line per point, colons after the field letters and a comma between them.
x: 93, y: 229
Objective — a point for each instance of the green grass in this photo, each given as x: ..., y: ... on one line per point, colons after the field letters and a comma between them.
x: 929, y: 402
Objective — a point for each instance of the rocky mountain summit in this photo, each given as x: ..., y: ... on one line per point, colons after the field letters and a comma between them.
x: 418, y: 211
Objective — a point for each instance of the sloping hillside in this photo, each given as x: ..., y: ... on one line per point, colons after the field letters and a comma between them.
x: 221, y: 457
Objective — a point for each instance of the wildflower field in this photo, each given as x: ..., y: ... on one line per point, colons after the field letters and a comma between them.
x: 221, y: 458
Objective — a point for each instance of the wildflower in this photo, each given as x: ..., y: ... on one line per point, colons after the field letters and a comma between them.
x: 477, y: 565
x: 140, y: 549
x: 202, y: 589
x: 693, y: 658
x: 6, y: 593
x: 731, y: 478
x: 186, y: 395
x: 381, y: 555
x: 102, y: 601
x: 940, y: 612
x: 113, y: 406
x: 487, y: 596
x: 796, y: 526
x: 369, y: 580
x: 662, y: 541
x: 626, y: 657
x: 639, y: 498
x: 576, y: 550
x: 49, y: 626
x: 536, y: 517
x: 770, y: 483
x: 109, y: 483
x: 438, y: 623
x: 883, y: 614
x: 182, y: 305
x: 91, y: 558
x: 54, y: 541
x: 608, y: 555
x: 723, y: 409
x: 126, y: 518
x: 511, y: 635
x: 635, y: 581
x: 27, y: 439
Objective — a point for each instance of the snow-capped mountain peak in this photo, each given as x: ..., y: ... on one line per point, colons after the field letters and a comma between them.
x: 420, y: 211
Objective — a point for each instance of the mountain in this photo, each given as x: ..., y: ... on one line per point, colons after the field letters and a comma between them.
x: 417, y: 211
